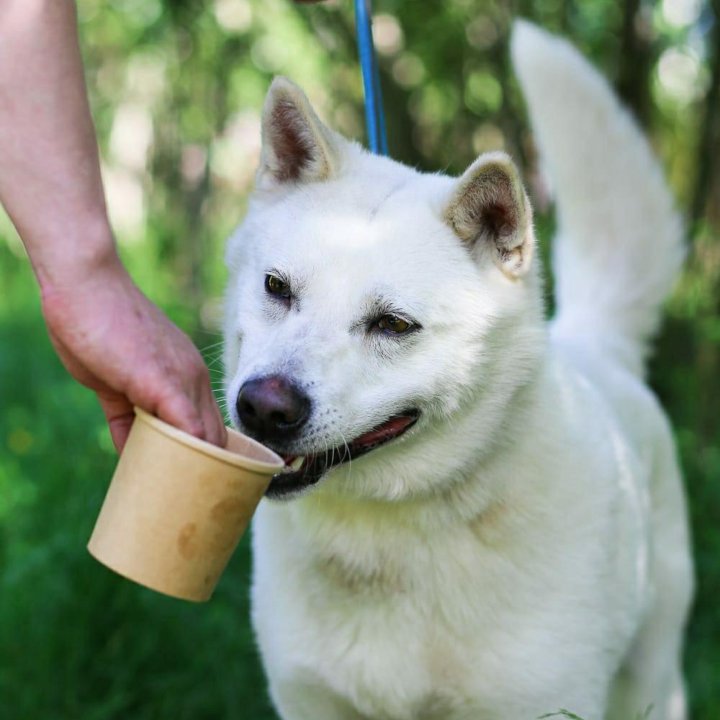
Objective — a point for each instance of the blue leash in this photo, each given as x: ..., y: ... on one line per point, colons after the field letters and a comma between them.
x: 374, y: 116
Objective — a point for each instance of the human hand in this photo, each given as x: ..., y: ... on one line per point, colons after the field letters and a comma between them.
x: 113, y: 340
x: 108, y: 334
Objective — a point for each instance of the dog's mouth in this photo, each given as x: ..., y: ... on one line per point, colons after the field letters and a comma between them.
x: 302, y: 471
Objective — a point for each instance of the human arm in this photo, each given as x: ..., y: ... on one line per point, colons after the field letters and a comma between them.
x: 107, y: 333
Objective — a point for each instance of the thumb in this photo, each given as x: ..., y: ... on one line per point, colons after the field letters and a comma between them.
x: 119, y: 415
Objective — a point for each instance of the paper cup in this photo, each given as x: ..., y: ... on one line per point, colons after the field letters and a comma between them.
x: 177, y: 507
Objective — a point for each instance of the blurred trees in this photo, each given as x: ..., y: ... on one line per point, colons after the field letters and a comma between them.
x: 177, y: 86
x: 176, y: 89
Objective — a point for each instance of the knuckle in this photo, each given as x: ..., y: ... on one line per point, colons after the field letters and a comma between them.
x: 202, y: 372
x: 196, y: 428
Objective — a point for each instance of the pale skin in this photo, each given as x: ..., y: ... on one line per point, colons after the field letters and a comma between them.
x: 110, y: 337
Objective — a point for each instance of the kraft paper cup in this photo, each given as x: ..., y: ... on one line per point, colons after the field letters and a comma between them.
x: 177, y: 507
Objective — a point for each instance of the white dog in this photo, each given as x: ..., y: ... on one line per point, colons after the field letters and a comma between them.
x: 482, y: 514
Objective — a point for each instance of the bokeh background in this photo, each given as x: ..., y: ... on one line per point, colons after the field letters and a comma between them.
x: 176, y: 88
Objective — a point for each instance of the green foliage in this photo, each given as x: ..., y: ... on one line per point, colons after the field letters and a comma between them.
x: 562, y: 713
x: 176, y: 88
x: 77, y: 641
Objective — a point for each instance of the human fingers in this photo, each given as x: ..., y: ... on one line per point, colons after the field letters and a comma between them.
x: 215, y: 430
x: 176, y: 386
x: 119, y: 415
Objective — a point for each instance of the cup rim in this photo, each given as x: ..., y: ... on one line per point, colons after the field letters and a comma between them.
x: 268, y: 468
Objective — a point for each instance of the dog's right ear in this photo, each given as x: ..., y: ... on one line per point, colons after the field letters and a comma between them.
x: 296, y: 146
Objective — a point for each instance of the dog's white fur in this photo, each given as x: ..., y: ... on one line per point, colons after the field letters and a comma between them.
x: 524, y: 547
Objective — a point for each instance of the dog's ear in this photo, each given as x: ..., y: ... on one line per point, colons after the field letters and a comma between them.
x: 490, y: 213
x: 296, y: 146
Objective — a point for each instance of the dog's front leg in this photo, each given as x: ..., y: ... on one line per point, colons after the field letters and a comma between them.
x: 305, y: 700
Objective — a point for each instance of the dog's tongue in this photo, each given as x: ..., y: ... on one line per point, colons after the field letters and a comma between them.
x: 394, y: 426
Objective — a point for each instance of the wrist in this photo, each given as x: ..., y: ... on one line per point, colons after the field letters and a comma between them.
x: 66, y: 262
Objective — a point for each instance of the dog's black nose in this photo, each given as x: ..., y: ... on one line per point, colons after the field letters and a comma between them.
x: 272, y: 407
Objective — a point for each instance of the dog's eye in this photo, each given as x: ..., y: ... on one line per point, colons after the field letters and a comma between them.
x: 276, y: 286
x: 394, y: 325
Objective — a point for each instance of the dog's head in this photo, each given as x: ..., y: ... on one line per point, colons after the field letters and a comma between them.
x: 373, y: 311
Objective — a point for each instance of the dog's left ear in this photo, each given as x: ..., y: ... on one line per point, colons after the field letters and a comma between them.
x: 490, y: 212
x: 296, y: 146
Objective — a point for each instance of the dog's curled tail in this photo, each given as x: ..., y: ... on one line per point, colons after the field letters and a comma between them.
x: 619, y: 244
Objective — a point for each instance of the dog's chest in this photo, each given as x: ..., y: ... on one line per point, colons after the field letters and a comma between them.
x: 399, y: 630
x: 378, y: 637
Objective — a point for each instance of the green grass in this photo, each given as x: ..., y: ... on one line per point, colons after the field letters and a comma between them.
x: 77, y: 642
x: 562, y: 713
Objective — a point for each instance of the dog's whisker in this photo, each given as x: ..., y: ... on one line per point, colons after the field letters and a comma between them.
x: 212, y: 346
x: 348, y: 452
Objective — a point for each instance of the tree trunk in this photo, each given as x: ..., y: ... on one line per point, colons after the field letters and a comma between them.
x: 633, y: 83
x: 707, y: 181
